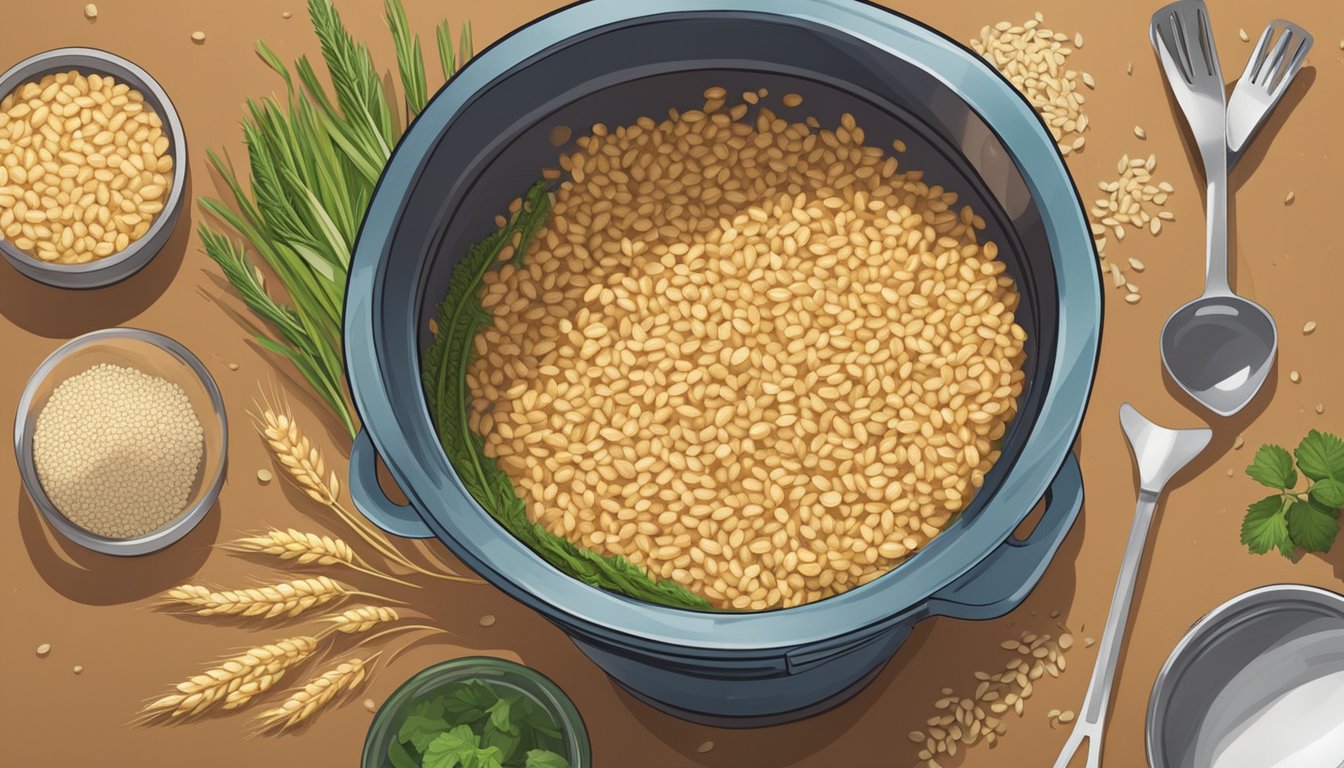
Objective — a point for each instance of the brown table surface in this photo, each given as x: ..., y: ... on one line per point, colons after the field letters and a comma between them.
x: 94, y: 610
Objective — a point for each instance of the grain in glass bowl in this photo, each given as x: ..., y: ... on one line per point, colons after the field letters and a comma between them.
x: 92, y: 167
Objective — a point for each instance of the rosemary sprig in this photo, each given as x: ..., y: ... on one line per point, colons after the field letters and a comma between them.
x: 313, y: 164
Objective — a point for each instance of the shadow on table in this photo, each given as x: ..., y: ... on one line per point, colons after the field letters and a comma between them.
x: 93, y: 578
x: 61, y: 313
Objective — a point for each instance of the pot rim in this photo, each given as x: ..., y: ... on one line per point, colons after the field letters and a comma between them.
x: 488, y: 548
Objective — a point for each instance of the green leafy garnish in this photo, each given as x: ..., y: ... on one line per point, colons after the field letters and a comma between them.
x: 314, y: 165
x: 444, y: 371
x: 470, y: 725
x: 1290, y: 519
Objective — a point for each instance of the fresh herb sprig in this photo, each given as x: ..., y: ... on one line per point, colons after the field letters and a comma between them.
x: 314, y: 164
x: 1290, y: 519
x: 444, y: 371
x: 470, y: 725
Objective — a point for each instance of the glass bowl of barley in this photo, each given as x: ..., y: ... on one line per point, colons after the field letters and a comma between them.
x: 92, y: 167
x: 120, y: 436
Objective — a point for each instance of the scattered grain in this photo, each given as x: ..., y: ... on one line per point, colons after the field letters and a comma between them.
x: 1308, y: 328
x: 1289, y: 198
x: 198, y: 37
x: 233, y: 366
x: 43, y: 650
x: 286, y: 15
x: 371, y: 705
x: 1088, y: 642
x: 1294, y: 376
x: 78, y: 669
x: 792, y: 100
x: 488, y: 620
x: 1132, y: 201
x: 1129, y: 67
x: 1067, y: 716
x: 1245, y: 38
x: 1238, y: 443
x: 91, y: 12
x: 1133, y: 298
x: 1138, y: 131
x: 1035, y: 61
x: 704, y: 747
x: 1320, y: 408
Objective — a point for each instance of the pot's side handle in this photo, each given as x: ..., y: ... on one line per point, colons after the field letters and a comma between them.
x: 1004, y: 579
x: 398, y: 519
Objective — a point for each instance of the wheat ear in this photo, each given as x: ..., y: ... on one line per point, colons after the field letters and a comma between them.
x: 303, y: 463
x: 235, y: 682
x: 308, y: 549
x: 289, y: 598
x: 360, y: 618
x: 303, y: 703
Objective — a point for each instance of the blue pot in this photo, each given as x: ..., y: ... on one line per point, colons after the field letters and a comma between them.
x: 482, y: 140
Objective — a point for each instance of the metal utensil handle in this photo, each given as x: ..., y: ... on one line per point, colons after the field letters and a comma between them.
x: 1092, y: 720
x: 1216, y: 268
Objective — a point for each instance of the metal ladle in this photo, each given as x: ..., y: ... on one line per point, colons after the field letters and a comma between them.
x: 1218, y: 348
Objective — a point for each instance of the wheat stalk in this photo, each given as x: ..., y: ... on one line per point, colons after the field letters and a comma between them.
x: 289, y: 598
x: 303, y: 703
x: 308, y: 549
x: 303, y: 463
x: 235, y: 682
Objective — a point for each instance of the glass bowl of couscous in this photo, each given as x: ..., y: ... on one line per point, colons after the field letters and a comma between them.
x: 92, y: 167
x: 120, y: 438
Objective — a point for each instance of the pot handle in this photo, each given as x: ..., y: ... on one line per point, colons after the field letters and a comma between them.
x: 397, y: 519
x: 1004, y: 579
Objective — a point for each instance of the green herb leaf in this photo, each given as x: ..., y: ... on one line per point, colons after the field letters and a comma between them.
x: 420, y: 730
x: 482, y: 758
x: 499, y: 716
x: 1328, y: 492
x: 1312, y: 526
x: 400, y: 757
x: 541, y: 758
x: 1264, y: 527
x: 449, y: 748
x: 1320, y: 455
x: 1273, y: 467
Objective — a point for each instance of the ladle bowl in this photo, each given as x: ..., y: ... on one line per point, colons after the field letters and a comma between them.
x: 1219, y: 349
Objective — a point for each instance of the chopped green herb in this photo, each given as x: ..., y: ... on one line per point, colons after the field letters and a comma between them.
x: 444, y: 372
x: 469, y: 725
x: 1291, y: 519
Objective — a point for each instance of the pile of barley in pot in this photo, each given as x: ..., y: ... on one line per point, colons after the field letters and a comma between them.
x: 84, y: 167
x: 749, y: 355
x: 117, y: 450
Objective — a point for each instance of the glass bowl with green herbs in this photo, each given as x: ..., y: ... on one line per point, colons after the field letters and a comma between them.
x: 477, y: 712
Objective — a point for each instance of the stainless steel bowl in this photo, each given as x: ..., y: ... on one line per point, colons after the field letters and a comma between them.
x: 154, y: 354
x: 1243, y: 655
x: 123, y: 264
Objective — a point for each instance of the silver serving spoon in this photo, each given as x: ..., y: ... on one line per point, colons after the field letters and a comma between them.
x: 1218, y: 348
x: 1159, y: 453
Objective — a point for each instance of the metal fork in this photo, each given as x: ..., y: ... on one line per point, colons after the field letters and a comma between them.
x: 1268, y: 74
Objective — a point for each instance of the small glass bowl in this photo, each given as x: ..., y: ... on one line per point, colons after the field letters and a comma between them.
x: 156, y: 355
x: 496, y: 673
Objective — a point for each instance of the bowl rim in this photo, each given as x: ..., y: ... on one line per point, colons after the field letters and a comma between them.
x: 121, y: 265
x: 429, y: 480
x: 1271, y: 597
x: 186, y: 520
x: 537, y: 685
